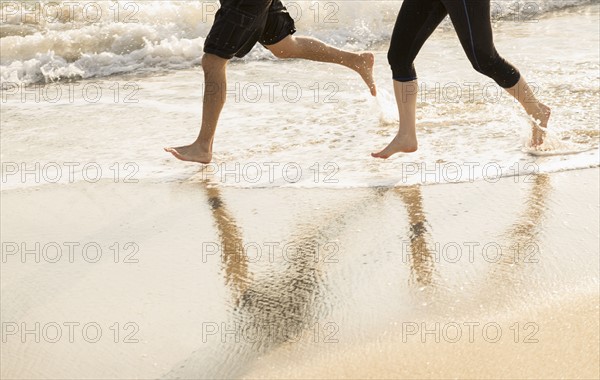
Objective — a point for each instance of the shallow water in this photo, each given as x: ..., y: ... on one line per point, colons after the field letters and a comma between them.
x: 305, y: 124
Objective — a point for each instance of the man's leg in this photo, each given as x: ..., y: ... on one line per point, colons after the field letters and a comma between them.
x: 215, y: 83
x: 315, y: 50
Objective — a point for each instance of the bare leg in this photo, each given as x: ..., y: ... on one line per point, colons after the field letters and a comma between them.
x: 540, y: 113
x: 215, y: 82
x: 315, y: 50
x: 406, y: 139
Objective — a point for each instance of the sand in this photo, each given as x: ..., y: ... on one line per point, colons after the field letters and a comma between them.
x: 222, y: 282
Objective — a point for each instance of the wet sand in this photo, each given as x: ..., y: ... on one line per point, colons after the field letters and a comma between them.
x: 218, y: 282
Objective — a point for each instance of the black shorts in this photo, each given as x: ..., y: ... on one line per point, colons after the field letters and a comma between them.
x: 240, y: 24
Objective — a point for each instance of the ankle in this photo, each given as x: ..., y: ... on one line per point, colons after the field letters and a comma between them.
x: 402, y: 133
x: 539, y: 112
x: 201, y: 144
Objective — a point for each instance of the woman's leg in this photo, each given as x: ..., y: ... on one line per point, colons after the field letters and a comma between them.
x: 416, y: 21
x: 471, y: 19
x: 538, y: 111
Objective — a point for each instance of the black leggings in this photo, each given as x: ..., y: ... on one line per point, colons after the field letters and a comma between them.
x: 471, y: 20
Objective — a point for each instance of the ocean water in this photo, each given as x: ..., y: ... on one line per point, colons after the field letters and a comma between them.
x: 94, y: 90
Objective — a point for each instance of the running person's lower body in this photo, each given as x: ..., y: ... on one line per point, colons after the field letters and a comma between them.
x: 471, y: 19
x: 238, y: 26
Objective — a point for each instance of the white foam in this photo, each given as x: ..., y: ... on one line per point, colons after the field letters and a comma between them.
x: 472, y: 138
x: 44, y: 42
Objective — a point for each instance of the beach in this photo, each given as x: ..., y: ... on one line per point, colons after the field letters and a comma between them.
x: 288, y: 283
x: 295, y: 254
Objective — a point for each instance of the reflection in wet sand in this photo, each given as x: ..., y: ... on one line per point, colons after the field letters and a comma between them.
x: 421, y: 257
x: 523, y: 246
x: 277, y: 308
x: 236, y: 268
x: 525, y: 229
x: 288, y: 305
x: 292, y: 299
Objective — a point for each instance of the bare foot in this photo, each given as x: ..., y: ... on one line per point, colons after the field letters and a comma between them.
x: 404, y: 144
x: 192, y: 153
x: 539, y: 125
x: 364, y: 66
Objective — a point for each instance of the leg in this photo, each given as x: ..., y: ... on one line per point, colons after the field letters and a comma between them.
x: 215, y: 83
x: 315, y: 50
x: 406, y: 139
x: 416, y: 21
x: 236, y: 29
x: 539, y: 112
x: 471, y: 19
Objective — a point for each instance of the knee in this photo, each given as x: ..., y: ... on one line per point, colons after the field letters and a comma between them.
x: 496, y: 68
x: 483, y: 64
x: 487, y: 62
x: 282, y: 54
x: 402, y: 68
x: 393, y: 58
x: 287, y: 48
x: 212, y: 63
